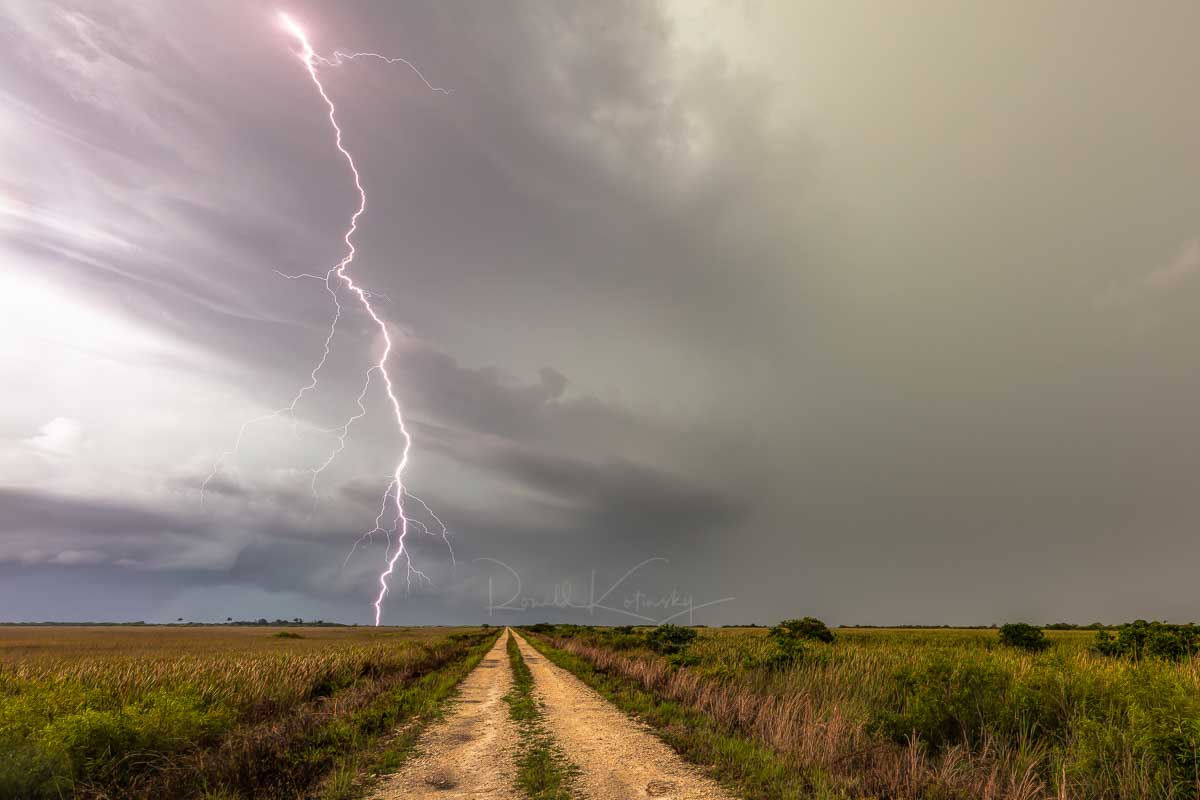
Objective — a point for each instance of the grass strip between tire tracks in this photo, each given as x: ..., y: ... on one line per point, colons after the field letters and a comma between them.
x: 543, y: 771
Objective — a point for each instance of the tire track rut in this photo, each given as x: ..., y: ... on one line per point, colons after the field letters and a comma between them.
x: 618, y: 758
x: 471, y: 752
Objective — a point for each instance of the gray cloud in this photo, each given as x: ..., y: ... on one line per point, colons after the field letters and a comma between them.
x: 882, y: 315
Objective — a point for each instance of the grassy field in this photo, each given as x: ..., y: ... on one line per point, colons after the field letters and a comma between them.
x: 215, y: 712
x: 907, y: 713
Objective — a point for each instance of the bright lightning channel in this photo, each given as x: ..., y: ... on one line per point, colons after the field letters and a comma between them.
x: 396, y: 492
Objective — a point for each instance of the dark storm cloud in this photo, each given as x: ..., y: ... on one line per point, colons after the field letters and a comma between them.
x: 22, y: 510
x: 39, y: 527
x: 630, y: 499
x: 898, y: 303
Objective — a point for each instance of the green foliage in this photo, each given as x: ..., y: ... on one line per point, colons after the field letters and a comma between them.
x: 1141, y: 639
x: 944, y: 701
x: 1023, y: 636
x: 60, y: 734
x: 66, y: 725
x: 670, y: 639
x: 287, y: 635
x: 805, y: 629
x: 789, y: 637
x: 1081, y: 725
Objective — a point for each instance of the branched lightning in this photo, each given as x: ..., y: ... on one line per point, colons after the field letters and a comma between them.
x: 396, y: 493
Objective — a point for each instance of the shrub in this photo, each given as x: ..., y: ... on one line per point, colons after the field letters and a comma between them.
x: 670, y: 639
x: 622, y: 638
x: 945, y: 702
x: 1023, y: 636
x: 806, y: 629
x: 1140, y: 639
x: 789, y: 637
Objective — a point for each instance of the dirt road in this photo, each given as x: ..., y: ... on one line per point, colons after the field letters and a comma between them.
x: 471, y: 753
x: 619, y: 759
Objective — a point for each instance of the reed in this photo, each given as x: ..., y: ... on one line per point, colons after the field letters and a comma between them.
x: 932, y: 714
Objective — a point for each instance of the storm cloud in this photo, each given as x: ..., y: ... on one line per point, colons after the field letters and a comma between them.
x: 880, y: 314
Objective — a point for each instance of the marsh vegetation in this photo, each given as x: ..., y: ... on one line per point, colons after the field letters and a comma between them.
x: 216, y: 712
x: 917, y: 713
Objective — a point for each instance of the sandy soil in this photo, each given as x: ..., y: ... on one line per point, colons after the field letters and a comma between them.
x: 619, y: 759
x: 471, y: 753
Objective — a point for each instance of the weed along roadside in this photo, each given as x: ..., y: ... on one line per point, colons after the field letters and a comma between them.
x: 236, y: 714
x: 749, y: 769
x: 1014, y: 714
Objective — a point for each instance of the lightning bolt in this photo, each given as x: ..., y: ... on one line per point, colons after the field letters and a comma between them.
x: 396, y: 493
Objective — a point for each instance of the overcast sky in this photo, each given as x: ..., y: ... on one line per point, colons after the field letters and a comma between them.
x: 879, y: 312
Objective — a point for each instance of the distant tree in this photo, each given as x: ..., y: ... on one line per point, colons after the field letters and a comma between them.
x: 806, y: 629
x: 1023, y: 636
x: 229, y: 619
x: 179, y: 619
x: 1141, y: 639
x: 669, y: 639
x: 790, y: 636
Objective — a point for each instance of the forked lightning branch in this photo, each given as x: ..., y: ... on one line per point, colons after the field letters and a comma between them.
x: 393, y: 519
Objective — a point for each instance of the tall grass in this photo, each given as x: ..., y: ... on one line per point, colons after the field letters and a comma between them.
x: 933, y: 714
x: 150, y: 721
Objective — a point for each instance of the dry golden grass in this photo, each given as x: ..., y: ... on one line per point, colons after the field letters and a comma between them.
x: 241, y: 667
x: 23, y: 642
x: 88, y: 710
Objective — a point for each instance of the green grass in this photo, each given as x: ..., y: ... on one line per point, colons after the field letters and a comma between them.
x: 203, y: 713
x: 921, y: 713
x: 543, y: 772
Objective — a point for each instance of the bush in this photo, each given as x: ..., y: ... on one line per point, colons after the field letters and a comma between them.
x: 1023, y: 636
x: 806, y: 629
x: 789, y: 637
x: 945, y: 702
x: 1140, y: 639
x: 670, y: 639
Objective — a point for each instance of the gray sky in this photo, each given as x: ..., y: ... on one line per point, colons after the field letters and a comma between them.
x: 879, y: 312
